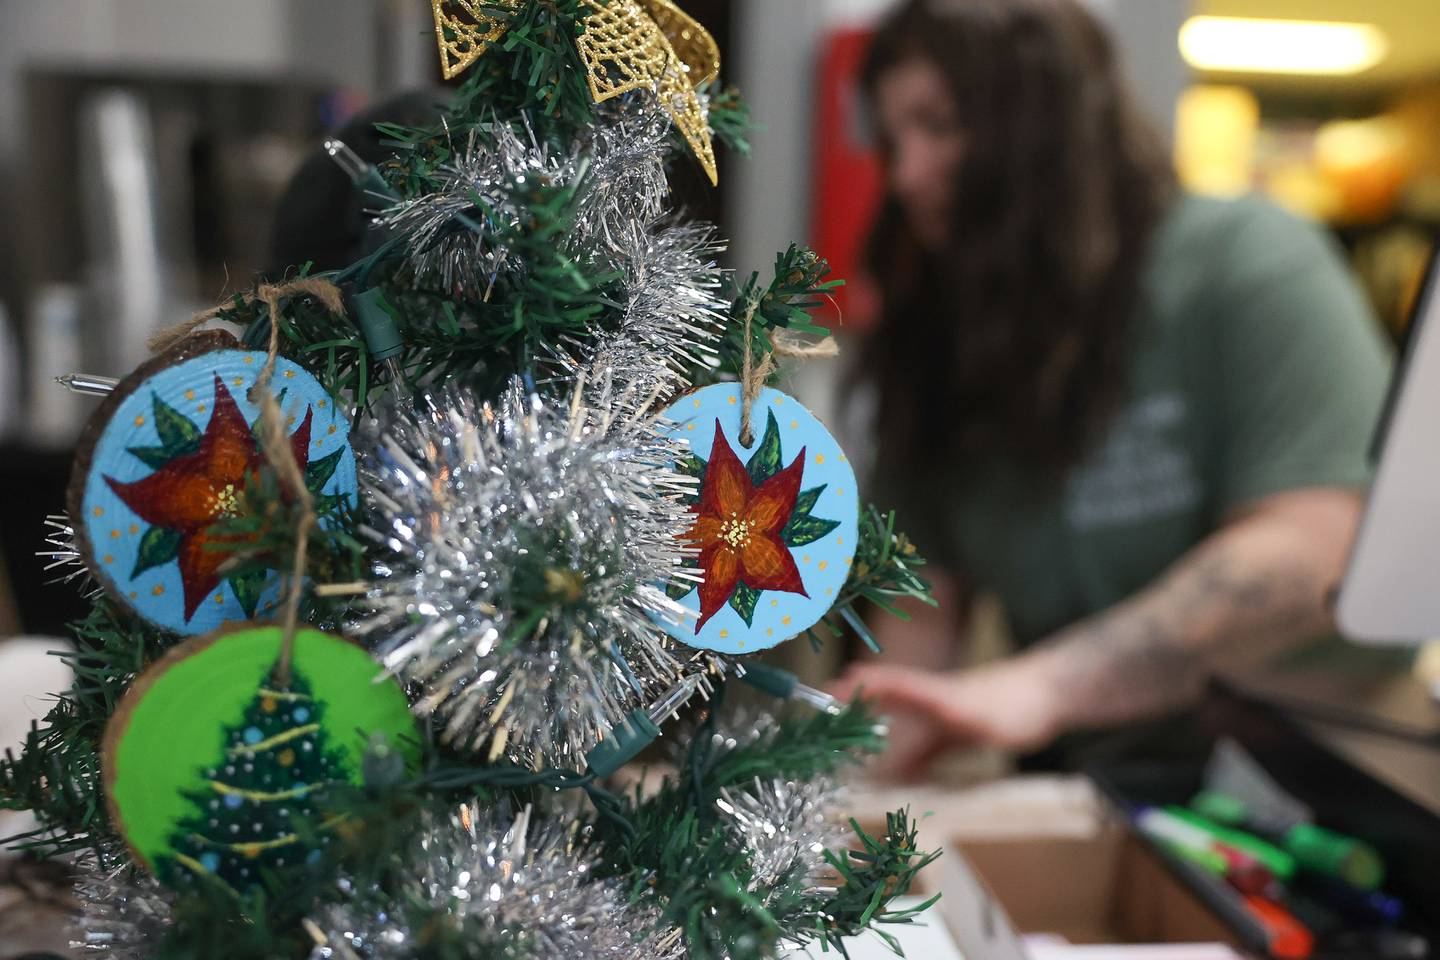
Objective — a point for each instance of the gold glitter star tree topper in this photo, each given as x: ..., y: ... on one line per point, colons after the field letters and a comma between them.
x: 625, y: 45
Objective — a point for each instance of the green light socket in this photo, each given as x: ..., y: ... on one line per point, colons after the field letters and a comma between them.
x: 623, y: 744
x: 382, y: 335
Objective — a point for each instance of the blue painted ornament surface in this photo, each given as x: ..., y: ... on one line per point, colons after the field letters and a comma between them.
x: 173, y: 460
x: 776, y: 521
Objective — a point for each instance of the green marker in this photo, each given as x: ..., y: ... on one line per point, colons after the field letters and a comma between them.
x: 1336, y: 855
x: 1313, y: 848
x: 1279, y: 862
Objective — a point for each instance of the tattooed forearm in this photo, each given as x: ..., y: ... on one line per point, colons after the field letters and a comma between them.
x: 1253, y: 589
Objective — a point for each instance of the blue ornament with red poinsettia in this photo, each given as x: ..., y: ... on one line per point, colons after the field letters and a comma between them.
x: 775, y: 520
x: 166, y: 462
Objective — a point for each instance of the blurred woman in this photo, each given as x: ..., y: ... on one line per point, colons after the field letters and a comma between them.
x: 1138, y: 417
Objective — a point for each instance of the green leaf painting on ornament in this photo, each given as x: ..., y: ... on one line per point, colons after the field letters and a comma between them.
x: 765, y: 462
x: 178, y: 436
x: 743, y: 602
x: 247, y: 590
x: 159, y: 546
x: 320, y: 471
x: 275, y: 762
x: 804, y: 529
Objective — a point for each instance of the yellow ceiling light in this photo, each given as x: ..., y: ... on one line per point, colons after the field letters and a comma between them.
x: 1310, y: 47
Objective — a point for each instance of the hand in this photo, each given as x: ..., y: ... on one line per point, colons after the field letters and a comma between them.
x: 1010, y: 705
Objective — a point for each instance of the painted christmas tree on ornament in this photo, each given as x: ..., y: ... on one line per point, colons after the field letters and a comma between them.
x: 571, y: 507
x: 275, y: 758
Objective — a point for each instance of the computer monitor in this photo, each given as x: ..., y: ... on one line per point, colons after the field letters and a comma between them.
x: 1391, y: 591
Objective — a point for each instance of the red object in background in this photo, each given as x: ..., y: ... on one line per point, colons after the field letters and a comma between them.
x: 847, y: 176
x: 1289, y: 939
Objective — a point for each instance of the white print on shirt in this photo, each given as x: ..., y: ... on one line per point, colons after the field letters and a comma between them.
x: 1141, y: 471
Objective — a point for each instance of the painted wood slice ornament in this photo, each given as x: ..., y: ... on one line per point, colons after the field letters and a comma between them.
x: 167, y: 456
x: 776, y: 521
x: 212, y: 758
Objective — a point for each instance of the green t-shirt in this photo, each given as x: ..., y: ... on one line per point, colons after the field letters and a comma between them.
x: 1257, y: 367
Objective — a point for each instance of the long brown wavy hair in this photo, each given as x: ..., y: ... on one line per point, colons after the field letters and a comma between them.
x: 1010, y: 341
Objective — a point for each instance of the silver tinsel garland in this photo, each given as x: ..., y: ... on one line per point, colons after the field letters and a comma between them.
x: 786, y: 827
x: 64, y: 557
x: 451, y: 232
x: 531, y: 545
x: 617, y: 174
x: 123, y: 912
x: 622, y: 181
x: 674, y: 310
x: 504, y: 889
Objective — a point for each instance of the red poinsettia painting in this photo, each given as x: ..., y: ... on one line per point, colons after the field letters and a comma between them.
x: 748, y: 519
x: 737, y: 529
x: 188, y: 493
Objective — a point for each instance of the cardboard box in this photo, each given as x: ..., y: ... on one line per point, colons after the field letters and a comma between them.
x: 1104, y: 888
x: 1045, y: 855
x: 1034, y: 806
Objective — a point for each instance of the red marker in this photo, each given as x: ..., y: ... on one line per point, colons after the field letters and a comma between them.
x: 1286, y: 937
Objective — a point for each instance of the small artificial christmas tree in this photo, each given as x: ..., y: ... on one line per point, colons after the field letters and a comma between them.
x: 565, y: 530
